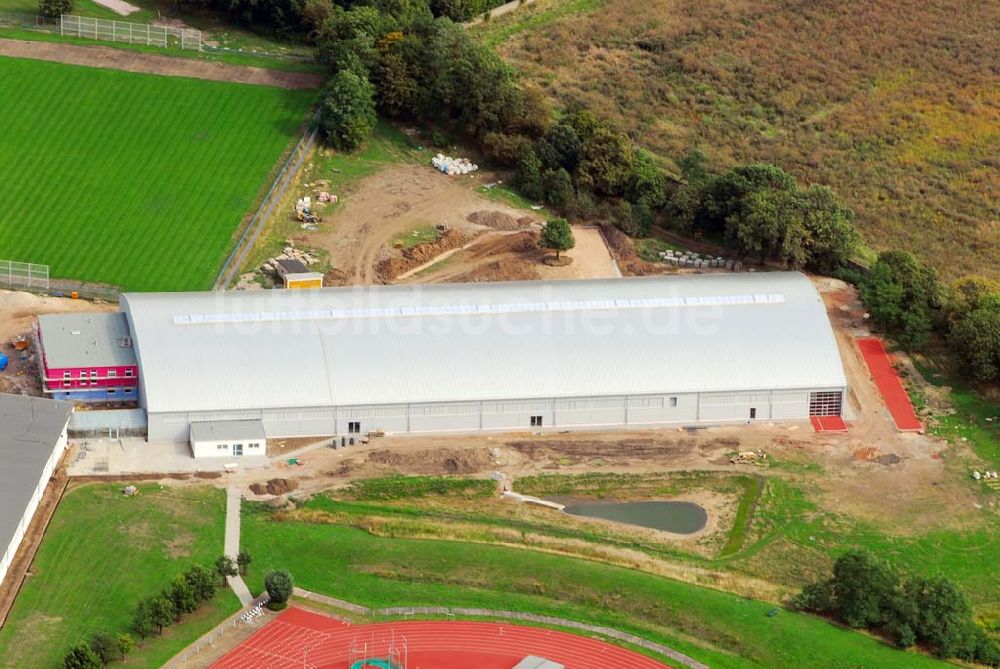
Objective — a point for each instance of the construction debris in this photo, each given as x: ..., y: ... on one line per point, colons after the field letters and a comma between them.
x: 698, y: 261
x: 130, y: 491
x: 747, y: 457
x: 453, y: 166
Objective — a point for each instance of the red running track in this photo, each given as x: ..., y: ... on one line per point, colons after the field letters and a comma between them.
x: 888, y: 383
x: 828, y: 423
x: 299, y: 638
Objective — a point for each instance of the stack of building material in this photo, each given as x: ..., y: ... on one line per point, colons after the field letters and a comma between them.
x: 453, y: 166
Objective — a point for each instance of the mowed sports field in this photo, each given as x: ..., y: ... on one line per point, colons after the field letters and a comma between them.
x: 130, y: 179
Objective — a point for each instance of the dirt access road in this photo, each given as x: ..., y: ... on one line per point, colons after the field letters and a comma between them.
x: 148, y: 63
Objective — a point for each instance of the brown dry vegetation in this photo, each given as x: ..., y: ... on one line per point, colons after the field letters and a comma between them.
x: 895, y: 105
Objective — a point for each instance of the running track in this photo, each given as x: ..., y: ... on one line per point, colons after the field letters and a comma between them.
x: 882, y: 371
x: 299, y: 638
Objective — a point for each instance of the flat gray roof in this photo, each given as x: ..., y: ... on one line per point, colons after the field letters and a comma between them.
x: 85, y: 340
x: 293, y: 266
x: 30, y: 427
x: 535, y: 662
x: 227, y: 430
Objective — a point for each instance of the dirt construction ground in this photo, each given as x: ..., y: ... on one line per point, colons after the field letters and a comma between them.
x: 148, y: 63
x: 487, y: 240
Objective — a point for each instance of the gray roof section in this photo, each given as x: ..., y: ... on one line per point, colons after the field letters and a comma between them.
x: 30, y: 427
x: 484, y: 341
x: 227, y: 430
x: 85, y: 340
x: 292, y: 266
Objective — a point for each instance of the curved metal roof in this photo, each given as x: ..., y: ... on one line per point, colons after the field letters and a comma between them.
x: 483, y: 341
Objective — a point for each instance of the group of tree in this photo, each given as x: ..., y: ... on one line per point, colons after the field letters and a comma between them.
x: 762, y: 212
x: 184, y: 594
x: 866, y: 592
x: 55, y: 8
x: 99, y: 651
x: 906, y: 299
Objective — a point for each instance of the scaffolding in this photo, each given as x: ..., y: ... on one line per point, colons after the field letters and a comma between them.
x: 391, y: 653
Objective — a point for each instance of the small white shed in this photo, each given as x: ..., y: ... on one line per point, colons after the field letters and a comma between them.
x: 535, y: 662
x: 228, y: 438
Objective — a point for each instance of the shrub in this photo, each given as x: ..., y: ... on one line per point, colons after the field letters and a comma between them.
x: 55, y: 8
x: 279, y: 588
x: 347, y: 116
x: 81, y: 656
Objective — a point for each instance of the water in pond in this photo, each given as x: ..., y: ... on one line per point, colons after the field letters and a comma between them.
x: 676, y: 517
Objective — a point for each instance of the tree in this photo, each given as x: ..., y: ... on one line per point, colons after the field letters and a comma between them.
x: 560, y: 148
x: 202, y: 582
x: 557, y: 235
x: 347, y: 116
x: 161, y: 613
x: 125, y: 645
x: 647, y: 183
x: 279, y: 588
x: 224, y: 566
x: 142, y: 619
x: 55, y: 8
x: 82, y: 656
x: 943, y: 617
x: 975, y: 339
x: 902, y: 296
x: 606, y: 162
x: 181, y: 595
x: 862, y: 588
x: 529, y: 175
x: 105, y: 647
x: 557, y: 186
x: 243, y: 561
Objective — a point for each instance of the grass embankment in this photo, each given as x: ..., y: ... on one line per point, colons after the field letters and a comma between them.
x: 352, y: 564
x: 101, y: 554
x: 908, y: 139
x: 147, y: 197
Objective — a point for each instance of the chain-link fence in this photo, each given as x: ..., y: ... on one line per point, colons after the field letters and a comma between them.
x: 21, y: 275
x: 130, y: 33
x: 29, y: 22
x: 272, y: 199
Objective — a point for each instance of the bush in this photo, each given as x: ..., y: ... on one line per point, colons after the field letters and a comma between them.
x: 55, y: 8
x: 279, y: 587
x: 82, y: 656
x: 105, y: 647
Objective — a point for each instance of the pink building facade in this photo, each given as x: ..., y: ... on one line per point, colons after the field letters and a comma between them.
x: 87, y: 358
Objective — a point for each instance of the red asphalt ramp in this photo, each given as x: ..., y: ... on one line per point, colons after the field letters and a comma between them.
x: 888, y: 383
x: 833, y: 424
x: 299, y: 638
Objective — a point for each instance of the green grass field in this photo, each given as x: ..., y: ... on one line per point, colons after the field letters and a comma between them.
x: 131, y: 179
x: 351, y: 564
x: 101, y: 554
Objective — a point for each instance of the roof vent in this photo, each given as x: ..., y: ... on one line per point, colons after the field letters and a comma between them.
x: 125, y: 342
x: 74, y: 332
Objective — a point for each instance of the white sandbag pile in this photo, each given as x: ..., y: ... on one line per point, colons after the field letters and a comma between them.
x: 453, y: 166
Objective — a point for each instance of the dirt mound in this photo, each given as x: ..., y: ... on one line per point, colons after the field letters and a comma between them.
x: 392, y: 266
x: 274, y: 487
x: 623, y: 251
x: 498, y: 220
x: 499, y: 270
x: 435, y: 461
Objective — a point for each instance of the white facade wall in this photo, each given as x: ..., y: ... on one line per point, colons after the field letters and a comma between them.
x: 29, y: 511
x: 579, y: 413
x: 228, y: 448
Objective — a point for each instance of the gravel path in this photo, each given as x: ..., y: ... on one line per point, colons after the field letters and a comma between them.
x: 148, y: 63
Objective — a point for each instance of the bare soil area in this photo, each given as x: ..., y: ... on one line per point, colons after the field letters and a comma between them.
x: 149, y: 63
x: 484, y: 240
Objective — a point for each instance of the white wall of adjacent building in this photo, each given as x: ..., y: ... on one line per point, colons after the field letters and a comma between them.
x: 29, y: 511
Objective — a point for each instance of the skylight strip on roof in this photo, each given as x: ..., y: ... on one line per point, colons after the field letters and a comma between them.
x: 463, y: 309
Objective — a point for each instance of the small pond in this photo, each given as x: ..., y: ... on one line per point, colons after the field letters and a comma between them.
x: 676, y: 517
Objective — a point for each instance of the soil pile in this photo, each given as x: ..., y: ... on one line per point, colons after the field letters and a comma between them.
x: 435, y: 461
x: 274, y: 487
x: 392, y: 266
x: 623, y: 251
x: 498, y: 220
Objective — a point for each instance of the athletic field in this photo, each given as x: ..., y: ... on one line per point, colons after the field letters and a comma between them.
x: 133, y: 179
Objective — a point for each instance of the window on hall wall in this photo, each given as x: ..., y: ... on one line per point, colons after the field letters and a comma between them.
x: 354, y: 427
x: 112, y: 373
x: 222, y: 447
x: 673, y: 401
x: 536, y: 421
x: 65, y: 375
x: 67, y: 384
x: 83, y: 373
x: 128, y: 372
x: 93, y: 373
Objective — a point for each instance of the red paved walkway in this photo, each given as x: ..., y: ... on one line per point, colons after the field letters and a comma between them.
x: 828, y: 423
x: 882, y: 371
x: 299, y: 638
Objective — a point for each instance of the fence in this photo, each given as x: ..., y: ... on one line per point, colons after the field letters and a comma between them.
x: 28, y: 22
x: 272, y: 199
x: 15, y: 274
x: 132, y: 33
